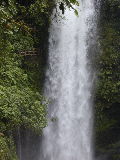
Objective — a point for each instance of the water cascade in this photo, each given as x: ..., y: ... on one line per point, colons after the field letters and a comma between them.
x: 68, y: 87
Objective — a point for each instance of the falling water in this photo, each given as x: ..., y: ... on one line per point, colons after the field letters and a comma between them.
x: 68, y: 87
x: 19, y: 144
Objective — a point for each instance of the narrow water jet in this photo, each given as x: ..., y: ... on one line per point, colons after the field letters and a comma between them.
x: 19, y: 144
x: 68, y: 87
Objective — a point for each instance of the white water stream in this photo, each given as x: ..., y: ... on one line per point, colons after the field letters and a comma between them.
x: 68, y: 87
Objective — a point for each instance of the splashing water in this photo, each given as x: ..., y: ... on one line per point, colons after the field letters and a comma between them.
x: 68, y: 87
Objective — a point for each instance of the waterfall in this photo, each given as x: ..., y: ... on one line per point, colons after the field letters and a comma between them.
x: 19, y: 144
x: 68, y: 87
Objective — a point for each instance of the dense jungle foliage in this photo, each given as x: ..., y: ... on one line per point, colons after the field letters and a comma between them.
x: 24, y: 26
x: 108, y: 82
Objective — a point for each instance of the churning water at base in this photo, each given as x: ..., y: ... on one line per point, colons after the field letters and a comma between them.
x: 68, y: 87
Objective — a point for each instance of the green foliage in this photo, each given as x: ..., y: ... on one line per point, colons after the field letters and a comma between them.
x: 108, y: 85
x: 71, y: 4
x: 22, y: 42
x: 20, y: 104
x: 40, y: 9
x: 7, y: 151
x: 103, y: 123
